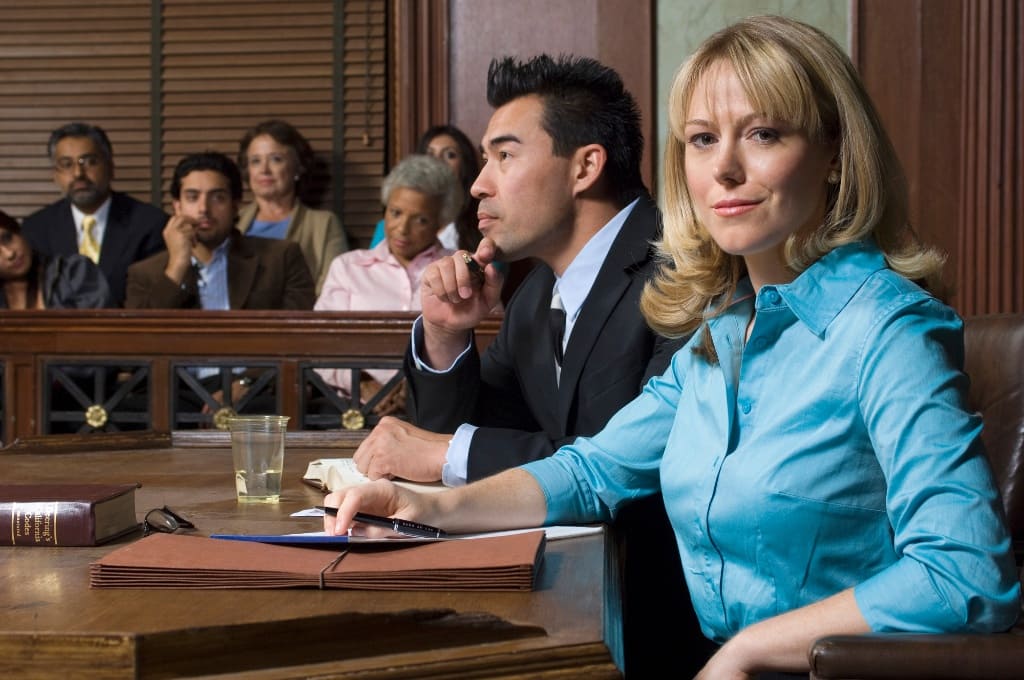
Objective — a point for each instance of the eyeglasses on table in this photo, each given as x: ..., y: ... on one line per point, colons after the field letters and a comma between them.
x: 165, y: 521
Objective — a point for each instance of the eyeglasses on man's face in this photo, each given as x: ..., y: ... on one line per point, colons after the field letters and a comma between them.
x: 88, y: 161
x: 165, y: 521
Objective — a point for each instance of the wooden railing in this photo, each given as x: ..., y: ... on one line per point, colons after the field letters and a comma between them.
x: 111, y: 370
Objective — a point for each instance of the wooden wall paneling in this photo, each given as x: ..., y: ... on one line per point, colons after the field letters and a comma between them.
x: 968, y: 138
x: 625, y: 39
x: 363, y: 116
x: 62, y: 61
x: 421, y: 62
x: 619, y: 33
x: 947, y: 79
x: 993, y: 145
x: 915, y: 86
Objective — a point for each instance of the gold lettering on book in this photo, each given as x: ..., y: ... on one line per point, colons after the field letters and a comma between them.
x: 34, y: 522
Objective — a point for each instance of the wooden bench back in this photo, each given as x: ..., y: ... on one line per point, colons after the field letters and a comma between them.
x: 156, y: 341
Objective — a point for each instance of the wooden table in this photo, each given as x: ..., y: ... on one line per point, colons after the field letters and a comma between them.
x: 53, y: 625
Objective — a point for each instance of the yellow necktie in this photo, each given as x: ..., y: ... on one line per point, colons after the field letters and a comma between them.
x: 89, y: 247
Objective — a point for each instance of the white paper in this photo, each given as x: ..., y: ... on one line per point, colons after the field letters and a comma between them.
x: 553, y: 533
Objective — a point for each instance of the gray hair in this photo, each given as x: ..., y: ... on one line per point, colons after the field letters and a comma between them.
x: 430, y: 177
x: 80, y: 129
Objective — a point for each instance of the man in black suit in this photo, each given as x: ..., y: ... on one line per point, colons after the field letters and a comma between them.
x: 561, y: 183
x: 111, y: 228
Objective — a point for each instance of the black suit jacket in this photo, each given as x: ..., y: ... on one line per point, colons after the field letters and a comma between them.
x: 511, y: 392
x: 134, y: 232
x: 262, y: 274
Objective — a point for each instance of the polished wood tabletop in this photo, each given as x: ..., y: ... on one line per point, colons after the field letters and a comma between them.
x: 52, y: 624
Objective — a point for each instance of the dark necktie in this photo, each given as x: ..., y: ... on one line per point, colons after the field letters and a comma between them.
x: 557, y: 320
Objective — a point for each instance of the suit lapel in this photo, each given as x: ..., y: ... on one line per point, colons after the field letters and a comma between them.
x: 66, y: 238
x: 296, y: 220
x: 114, y: 241
x: 628, y: 252
x: 242, y: 267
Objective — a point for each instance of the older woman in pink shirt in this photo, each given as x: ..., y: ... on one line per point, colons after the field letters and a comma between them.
x: 420, y: 196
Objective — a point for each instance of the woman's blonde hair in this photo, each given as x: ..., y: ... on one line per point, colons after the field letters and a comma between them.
x: 794, y: 73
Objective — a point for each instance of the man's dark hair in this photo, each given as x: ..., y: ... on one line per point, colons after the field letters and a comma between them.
x: 79, y: 129
x: 207, y: 160
x: 585, y: 102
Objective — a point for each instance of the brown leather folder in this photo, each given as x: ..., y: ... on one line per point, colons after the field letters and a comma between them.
x: 508, y: 562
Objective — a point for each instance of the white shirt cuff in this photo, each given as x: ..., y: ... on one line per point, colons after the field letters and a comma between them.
x: 417, y: 340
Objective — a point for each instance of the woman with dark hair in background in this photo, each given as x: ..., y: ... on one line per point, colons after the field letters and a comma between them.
x: 29, y: 280
x: 276, y: 162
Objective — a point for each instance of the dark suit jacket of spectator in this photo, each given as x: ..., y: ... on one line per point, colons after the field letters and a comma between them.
x: 262, y: 274
x: 134, y: 231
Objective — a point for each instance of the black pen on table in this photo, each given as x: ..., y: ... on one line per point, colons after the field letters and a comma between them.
x: 399, y: 526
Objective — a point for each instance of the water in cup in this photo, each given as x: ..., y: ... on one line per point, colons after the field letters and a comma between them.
x: 258, y: 486
x: 257, y: 446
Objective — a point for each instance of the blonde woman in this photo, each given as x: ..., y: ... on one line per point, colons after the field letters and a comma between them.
x: 811, y: 441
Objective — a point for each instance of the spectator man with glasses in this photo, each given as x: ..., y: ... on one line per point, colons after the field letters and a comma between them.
x: 111, y: 228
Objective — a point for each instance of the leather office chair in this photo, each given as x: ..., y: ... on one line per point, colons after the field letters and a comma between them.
x: 994, y: 361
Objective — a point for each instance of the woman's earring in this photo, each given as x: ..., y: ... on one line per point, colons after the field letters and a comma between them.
x: 297, y: 178
x: 833, y: 177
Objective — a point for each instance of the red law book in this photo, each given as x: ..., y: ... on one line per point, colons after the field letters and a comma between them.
x: 65, y: 514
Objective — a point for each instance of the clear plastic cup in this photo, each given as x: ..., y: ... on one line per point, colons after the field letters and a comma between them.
x: 257, y: 447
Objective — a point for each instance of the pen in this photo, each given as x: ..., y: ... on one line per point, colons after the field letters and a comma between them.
x: 399, y: 526
x: 475, y: 270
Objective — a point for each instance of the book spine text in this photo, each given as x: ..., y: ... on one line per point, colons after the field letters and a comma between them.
x: 46, y: 523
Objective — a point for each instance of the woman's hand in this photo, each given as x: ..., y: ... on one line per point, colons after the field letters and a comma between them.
x: 726, y: 664
x: 378, y: 498
x: 780, y: 643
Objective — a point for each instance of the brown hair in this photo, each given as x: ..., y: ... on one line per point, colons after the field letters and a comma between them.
x: 284, y: 134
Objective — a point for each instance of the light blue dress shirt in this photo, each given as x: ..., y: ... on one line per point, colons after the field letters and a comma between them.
x: 266, y: 229
x: 832, y: 450
x: 212, y: 279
